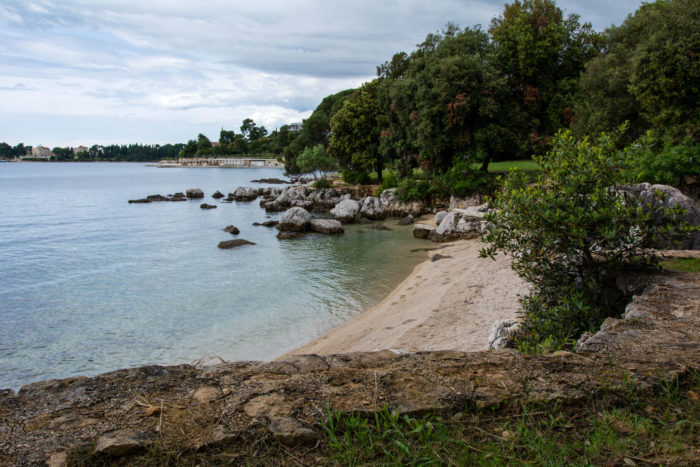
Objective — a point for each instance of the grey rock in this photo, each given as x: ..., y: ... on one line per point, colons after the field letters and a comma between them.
x: 423, y: 231
x: 439, y: 217
x: 207, y: 206
x: 346, y: 211
x: 373, y: 208
x: 326, y: 226
x: 195, y: 193
x: 228, y: 244
x: 119, y: 443
x: 503, y: 333
x: 290, y: 431
x: 294, y: 220
x: 408, y: 220
x: 245, y: 194
x: 217, y: 195
x: 459, y: 225
x: 288, y: 235
x: 394, y: 207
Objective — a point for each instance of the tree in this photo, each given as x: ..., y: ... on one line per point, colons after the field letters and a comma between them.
x: 226, y: 136
x: 5, y: 150
x: 313, y: 160
x: 648, y: 75
x: 203, y: 144
x: 356, y: 128
x: 571, y: 235
x: 542, y: 55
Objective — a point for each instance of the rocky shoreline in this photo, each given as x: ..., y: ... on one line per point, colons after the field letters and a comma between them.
x: 213, y: 404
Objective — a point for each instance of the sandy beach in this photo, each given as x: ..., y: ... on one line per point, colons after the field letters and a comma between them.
x: 447, y: 302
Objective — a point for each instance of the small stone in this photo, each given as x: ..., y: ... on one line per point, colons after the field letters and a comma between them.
x: 57, y: 459
x: 207, y: 394
x: 232, y: 229
x: 207, y: 206
x: 438, y: 257
x: 119, y: 443
x: 213, y: 436
x: 217, y: 195
x: 228, y: 244
x: 290, y: 431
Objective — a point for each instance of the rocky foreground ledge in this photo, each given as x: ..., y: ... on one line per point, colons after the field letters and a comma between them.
x: 195, y: 407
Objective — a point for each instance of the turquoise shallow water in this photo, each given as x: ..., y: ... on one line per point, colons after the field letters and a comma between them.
x: 90, y: 283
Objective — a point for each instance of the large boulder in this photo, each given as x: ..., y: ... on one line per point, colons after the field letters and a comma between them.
x: 654, y: 196
x: 423, y: 231
x: 294, y: 220
x: 326, y: 226
x: 346, y: 210
x: 394, y: 207
x: 324, y: 199
x: 292, y: 196
x: 195, y: 193
x: 503, y: 334
x: 459, y: 224
x: 373, y: 208
x: 245, y: 194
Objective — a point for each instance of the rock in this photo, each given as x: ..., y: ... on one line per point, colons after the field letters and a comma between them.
x: 438, y: 257
x: 210, y: 437
x: 228, y: 244
x: 290, y: 431
x: 119, y: 443
x: 394, y: 207
x: 208, y: 361
x: 245, y: 194
x: 439, y: 217
x: 649, y: 196
x: 139, y: 201
x: 217, y: 195
x: 294, y: 220
x: 364, y: 220
x: 207, y: 206
x: 459, y: 224
x: 423, y: 231
x: 345, y: 211
x: 291, y: 196
x: 195, y: 193
x: 232, y: 229
x: 207, y: 394
x: 272, y: 181
x: 58, y: 459
x: 380, y: 227
x: 373, y: 209
x: 270, y: 223
x: 503, y: 334
x: 408, y: 220
x: 463, y: 203
x: 268, y: 405
x: 326, y: 226
x: 288, y: 235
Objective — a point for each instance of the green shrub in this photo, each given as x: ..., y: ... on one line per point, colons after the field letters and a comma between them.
x: 356, y: 177
x: 571, y: 236
x: 322, y: 183
x: 651, y: 161
x: 413, y: 190
x: 462, y: 180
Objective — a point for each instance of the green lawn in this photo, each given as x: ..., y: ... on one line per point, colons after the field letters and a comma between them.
x: 682, y: 264
x: 504, y: 166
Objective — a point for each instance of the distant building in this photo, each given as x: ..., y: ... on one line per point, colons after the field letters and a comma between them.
x: 80, y: 149
x: 297, y: 126
x: 215, y: 144
x: 41, y: 152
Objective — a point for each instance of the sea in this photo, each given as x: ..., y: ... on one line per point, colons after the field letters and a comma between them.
x: 90, y: 283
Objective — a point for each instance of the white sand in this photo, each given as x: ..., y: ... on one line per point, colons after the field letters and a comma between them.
x: 450, y: 303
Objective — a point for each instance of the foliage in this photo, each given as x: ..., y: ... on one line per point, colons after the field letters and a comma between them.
x: 682, y: 264
x: 648, y: 75
x: 356, y: 128
x: 650, y: 160
x: 463, y: 179
x: 354, y: 177
x: 409, y: 189
x: 571, y: 235
x: 322, y: 183
x: 315, y: 161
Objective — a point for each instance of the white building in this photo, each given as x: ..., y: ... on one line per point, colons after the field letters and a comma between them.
x: 41, y: 152
x: 297, y: 126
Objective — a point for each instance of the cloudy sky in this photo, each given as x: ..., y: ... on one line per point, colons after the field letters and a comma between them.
x: 156, y: 71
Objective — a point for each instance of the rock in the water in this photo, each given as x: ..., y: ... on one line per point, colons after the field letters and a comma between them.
x: 380, y: 227
x: 245, y: 194
x: 119, y: 443
x: 346, y: 211
x: 207, y: 206
x: 423, y: 230
x: 271, y: 181
x: 326, y: 226
x: 503, y: 334
x: 270, y: 223
x: 195, y: 193
x: 294, y: 220
x: 288, y: 235
x: 225, y: 245
x: 373, y: 209
x: 290, y: 431
x: 440, y: 216
x: 232, y: 229
x: 217, y: 195
x: 408, y: 220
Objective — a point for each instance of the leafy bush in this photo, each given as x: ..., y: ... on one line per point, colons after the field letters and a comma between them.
x: 322, y: 183
x: 462, y: 179
x: 354, y: 177
x: 413, y: 190
x: 653, y: 162
x: 571, y: 235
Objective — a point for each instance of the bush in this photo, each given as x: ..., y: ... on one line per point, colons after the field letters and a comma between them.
x: 322, y: 183
x: 571, y: 236
x: 413, y: 190
x: 356, y: 177
x: 653, y: 162
x: 462, y: 180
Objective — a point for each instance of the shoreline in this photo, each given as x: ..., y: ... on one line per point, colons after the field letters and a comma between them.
x: 450, y: 301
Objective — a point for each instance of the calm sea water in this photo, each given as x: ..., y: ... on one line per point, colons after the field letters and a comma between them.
x: 90, y: 283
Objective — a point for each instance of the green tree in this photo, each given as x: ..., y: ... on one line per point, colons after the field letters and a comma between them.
x: 571, y: 235
x: 5, y: 150
x: 203, y: 145
x: 356, y: 128
x: 316, y: 161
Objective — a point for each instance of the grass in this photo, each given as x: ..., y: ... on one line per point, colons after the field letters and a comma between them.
x: 682, y: 264
x: 504, y: 166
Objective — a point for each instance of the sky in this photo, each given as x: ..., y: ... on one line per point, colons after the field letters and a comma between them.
x: 89, y: 72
